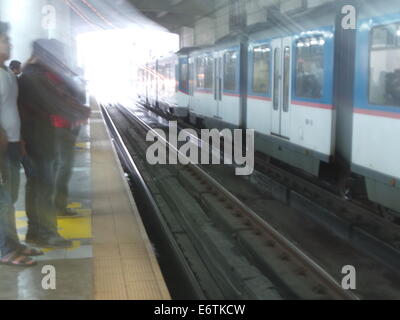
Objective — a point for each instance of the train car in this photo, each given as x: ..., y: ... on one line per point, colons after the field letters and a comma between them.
x: 321, y: 96
x: 217, y: 85
x: 279, y: 82
x: 182, y: 85
x: 376, y: 110
x: 290, y: 89
x: 152, y: 83
x: 166, y: 84
x: 141, y: 85
x: 201, y: 85
x: 167, y: 88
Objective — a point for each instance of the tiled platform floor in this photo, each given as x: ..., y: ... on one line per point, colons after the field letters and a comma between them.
x: 112, y: 257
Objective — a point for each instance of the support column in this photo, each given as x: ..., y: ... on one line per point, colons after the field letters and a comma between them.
x: 34, y: 19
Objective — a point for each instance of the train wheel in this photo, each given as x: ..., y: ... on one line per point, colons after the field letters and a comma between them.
x: 345, y: 186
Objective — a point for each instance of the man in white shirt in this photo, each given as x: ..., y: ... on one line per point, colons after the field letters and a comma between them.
x: 12, y: 251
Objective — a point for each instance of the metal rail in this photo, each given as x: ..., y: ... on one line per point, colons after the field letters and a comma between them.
x: 287, y: 248
x: 148, y: 202
x: 366, y: 231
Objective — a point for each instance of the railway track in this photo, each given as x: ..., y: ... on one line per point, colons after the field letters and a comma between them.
x: 280, y: 257
x: 353, y: 221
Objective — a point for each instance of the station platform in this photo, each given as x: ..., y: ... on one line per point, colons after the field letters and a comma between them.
x: 112, y: 257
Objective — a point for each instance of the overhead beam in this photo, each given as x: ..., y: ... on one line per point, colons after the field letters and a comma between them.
x: 190, y: 8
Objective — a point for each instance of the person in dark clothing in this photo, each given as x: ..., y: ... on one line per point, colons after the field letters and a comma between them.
x: 46, y: 105
x: 67, y: 136
x: 65, y: 151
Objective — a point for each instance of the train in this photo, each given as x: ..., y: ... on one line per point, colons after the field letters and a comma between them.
x: 322, y: 95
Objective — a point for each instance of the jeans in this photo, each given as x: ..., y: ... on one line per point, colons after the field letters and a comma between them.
x: 31, y: 194
x: 41, y: 187
x: 10, y: 169
x: 63, y: 165
x: 8, y: 197
x: 8, y: 239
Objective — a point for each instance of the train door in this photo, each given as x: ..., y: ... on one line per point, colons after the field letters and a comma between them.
x: 147, y: 83
x: 218, y: 69
x: 191, y: 83
x: 157, y: 84
x: 282, y: 53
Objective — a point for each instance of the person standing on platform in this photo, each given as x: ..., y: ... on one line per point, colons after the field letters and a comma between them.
x: 47, y: 105
x: 16, y: 67
x: 67, y: 136
x: 12, y: 251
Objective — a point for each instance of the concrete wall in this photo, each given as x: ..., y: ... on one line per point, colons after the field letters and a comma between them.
x: 33, y: 19
x: 222, y: 20
x: 25, y: 19
x: 291, y: 5
x: 186, y: 37
x: 314, y: 3
x: 209, y: 29
x: 257, y: 10
x: 204, y: 31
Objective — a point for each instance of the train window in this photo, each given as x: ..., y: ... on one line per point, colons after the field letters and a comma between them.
x: 161, y: 72
x: 230, y: 59
x: 168, y: 71
x: 200, y: 72
x: 184, y: 76
x: 384, y: 75
x: 286, y: 79
x: 310, y: 67
x: 204, y: 72
x: 208, y: 81
x: 261, y: 69
x: 277, y: 71
x: 176, y: 75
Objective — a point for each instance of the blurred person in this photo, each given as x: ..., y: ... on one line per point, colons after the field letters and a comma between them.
x: 15, y: 67
x: 67, y: 136
x: 47, y: 105
x: 80, y: 85
x: 12, y: 251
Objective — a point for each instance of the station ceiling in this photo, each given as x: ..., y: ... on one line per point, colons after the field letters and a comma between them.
x: 173, y: 14
x: 111, y: 14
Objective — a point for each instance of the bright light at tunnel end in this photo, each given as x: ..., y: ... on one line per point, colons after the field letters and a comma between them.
x: 111, y: 58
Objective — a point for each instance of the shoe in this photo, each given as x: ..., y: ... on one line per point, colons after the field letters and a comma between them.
x: 17, y: 259
x: 54, y: 241
x: 67, y: 213
x: 29, y: 252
